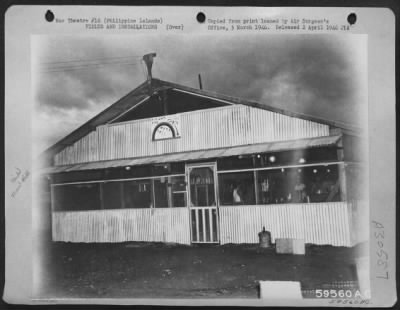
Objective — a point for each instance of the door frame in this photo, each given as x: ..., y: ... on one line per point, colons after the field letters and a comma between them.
x: 188, y: 168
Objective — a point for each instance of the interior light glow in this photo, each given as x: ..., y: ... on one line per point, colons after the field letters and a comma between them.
x: 302, y: 160
x: 272, y: 159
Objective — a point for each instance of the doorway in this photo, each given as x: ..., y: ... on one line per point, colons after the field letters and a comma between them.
x: 202, y: 202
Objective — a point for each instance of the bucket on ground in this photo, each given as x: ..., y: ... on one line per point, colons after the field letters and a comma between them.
x: 265, y: 238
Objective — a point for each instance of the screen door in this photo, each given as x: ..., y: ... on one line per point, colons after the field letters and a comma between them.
x: 203, y: 203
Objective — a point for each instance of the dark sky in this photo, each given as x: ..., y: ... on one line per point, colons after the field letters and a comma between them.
x: 321, y: 75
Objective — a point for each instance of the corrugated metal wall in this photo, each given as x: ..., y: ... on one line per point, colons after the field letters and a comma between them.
x: 84, y: 150
x: 153, y: 225
x: 317, y: 223
x: 204, y: 129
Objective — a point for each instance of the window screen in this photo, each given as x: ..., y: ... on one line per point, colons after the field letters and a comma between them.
x: 137, y: 194
x: 76, y: 197
x: 237, y: 188
x: 112, y: 195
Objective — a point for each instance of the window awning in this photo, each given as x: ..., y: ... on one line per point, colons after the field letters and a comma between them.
x: 199, y: 155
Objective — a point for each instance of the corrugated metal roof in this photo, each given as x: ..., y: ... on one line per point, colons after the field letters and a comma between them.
x: 204, y: 154
x: 141, y: 92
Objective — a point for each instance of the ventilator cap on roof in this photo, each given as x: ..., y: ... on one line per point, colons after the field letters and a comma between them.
x: 148, y: 59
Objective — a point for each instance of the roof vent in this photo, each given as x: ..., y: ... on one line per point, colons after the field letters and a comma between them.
x: 148, y: 59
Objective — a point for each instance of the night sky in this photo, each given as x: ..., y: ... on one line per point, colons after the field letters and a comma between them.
x: 320, y: 75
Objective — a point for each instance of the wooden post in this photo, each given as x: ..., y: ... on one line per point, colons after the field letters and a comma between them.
x: 52, y: 202
x: 256, y: 186
x: 342, y: 182
x: 340, y: 152
x: 153, y: 195
x: 52, y: 198
x: 341, y: 172
x: 169, y: 192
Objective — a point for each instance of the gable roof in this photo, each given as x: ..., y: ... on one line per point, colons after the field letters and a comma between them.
x: 142, y: 93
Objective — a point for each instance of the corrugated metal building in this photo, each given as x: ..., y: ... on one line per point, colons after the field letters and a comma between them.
x: 169, y: 163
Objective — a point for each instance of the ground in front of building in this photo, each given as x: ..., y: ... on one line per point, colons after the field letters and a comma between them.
x: 155, y: 270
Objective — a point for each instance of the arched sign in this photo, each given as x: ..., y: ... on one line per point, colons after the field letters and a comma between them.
x: 166, y: 127
x: 163, y: 131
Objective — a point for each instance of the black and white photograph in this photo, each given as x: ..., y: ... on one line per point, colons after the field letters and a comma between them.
x: 194, y: 171
x: 231, y: 163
